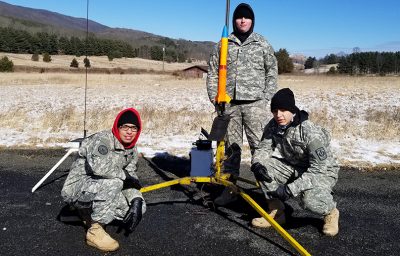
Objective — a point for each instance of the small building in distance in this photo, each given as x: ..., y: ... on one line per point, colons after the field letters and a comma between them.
x: 197, y: 71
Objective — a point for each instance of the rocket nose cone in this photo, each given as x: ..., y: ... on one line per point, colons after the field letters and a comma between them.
x: 225, y: 32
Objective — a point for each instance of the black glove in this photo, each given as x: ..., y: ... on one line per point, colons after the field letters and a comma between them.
x: 134, y: 214
x: 131, y: 182
x: 260, y: 172
x: 282, y: 192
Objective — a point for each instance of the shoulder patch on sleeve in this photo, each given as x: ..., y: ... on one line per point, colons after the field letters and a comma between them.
x: 320, y: 152
x: 103, y: 150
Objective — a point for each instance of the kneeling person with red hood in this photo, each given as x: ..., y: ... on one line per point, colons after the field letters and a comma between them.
x: 102, y: 183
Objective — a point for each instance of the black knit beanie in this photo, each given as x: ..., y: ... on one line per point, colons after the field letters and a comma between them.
x: 128, y: 118
x: 243, y: 10
x: 284, y: 99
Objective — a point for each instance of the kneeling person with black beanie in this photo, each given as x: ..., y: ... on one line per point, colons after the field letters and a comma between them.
x: 294, y: 159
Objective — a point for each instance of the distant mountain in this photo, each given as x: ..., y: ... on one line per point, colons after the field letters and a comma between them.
x: 37, y: 20
x: 47, y: 17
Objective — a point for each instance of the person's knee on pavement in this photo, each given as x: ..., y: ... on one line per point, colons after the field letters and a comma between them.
x: 316, y: 206
x: 318, y: 200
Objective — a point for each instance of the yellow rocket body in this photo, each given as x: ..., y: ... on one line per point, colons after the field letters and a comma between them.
x: 222, y: 97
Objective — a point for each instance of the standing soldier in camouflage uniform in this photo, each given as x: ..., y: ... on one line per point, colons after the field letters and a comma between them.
x: 294, y: 158
x: 251, y: 81
x: 103, y: 184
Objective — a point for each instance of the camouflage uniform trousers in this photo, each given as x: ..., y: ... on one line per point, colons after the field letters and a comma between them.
x: 250, y: 117
x: 107, y: 197
x: 319, y: 199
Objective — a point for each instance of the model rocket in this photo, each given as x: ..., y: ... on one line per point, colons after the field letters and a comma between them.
x: 221, y: 121
x: 222, y: 97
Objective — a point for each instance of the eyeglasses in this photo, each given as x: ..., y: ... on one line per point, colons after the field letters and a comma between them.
x: 125, y: 128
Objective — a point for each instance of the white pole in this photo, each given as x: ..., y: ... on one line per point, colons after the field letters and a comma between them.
x: 70, y: 151
x: 163, y: 57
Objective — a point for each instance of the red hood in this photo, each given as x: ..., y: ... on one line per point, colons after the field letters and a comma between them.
x: 115, y: 127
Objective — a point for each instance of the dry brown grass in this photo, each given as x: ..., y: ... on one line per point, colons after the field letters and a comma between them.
x: 365, y: 106
x: 383, y: 124
x: 63, y: 61
x: 41, y: 79
x: 336, y: 128
x: 15, y: 119
x: 97, y: 81
x: 340, y: 84
x: 155, y: 121
x: 174, y: 122
x: 318, y: 90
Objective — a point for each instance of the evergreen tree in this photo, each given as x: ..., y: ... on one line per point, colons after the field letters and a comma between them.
x: 35, y: 57
x: 156, y: 53
x: 6, y: 65
x: 22, y: 42
x: 331, y: 71
x: 63, y: 45
x: 144, y: 52
x: 44, y: 42
x: 330, y: 59
x: 171, y: 55
x: 53, y: 44
x: 87, y: 62
x: 46, y: 57
x: 344, y: 65
x: 309, y: 62
x: 285, y: 63
x: 74, y: 63
x: 76, y: 46
x: 36, y: 44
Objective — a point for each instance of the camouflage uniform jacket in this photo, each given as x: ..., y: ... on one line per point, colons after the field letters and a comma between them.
x: 103, y: 156
x: 251, y: 69
x: 304, y: 145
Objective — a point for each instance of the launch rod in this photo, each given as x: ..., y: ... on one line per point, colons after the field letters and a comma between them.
x: 86, y: 68
x: 227, y: 14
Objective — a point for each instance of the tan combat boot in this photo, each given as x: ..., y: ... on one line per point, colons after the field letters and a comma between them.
x: 331, y: 226
x: 97, y: 237
x: 277, y: 212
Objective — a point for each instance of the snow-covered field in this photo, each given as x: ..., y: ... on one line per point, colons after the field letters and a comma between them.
x: 47, y: 110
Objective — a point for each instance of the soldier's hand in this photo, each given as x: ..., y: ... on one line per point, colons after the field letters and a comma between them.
x: 260, y: 172
x: 282, y: 192
x: 131, y: 182
x: 134, y: 214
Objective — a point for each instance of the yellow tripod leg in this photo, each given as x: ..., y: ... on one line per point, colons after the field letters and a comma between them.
x: 274, y: 224
x: 182, y: 181
x: 223, y: 181
x: 219, y: 157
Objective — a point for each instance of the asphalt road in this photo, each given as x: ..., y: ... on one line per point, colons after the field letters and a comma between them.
x: 181, y: 221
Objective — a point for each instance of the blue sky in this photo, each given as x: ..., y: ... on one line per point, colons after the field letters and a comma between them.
x: 311, y: 27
